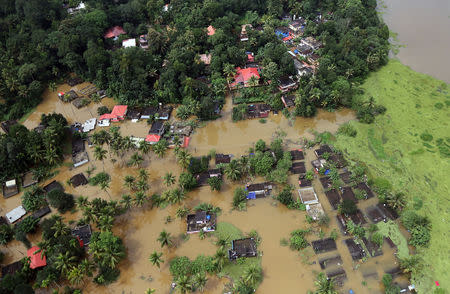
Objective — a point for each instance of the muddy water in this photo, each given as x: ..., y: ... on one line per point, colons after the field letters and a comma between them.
x: 285, y: 271
x: 424, y: 28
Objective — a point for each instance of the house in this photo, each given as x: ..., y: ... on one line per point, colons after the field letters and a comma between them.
x: 164, y: 112
x: 258, y: 110
x: 54, y: 185
x: 286, y: 84
x: 313, y: 58
x: 205, y: 58
x: 318, y: 164
x: 37, y: 258
x: 157, y: 128
x: 210, y: 30
x: 83, y: 234
x: 201, y: 221
x: 260, y: 190
x: 223, y: 158
x: 28, y: 179
x: 129, y: 43
x: 143, y: 42
x: 250, y: 57
x: 313, y: 43
x: 303, y: 50
x: 244, y: 33
x: 134, y: 114
x: 303, y: 68
x: 242, y: 248
x: 296, y: 26
x: 282, y: 33
x: 153, y: 138
x: 297, y: 154
x: 15, y: 214
x: 180, y: 129
x: 119, y: 111
x: 298, y: 168
x: 202, y: 178
x: 10, y: 188
x: 315, y: 210
x: 89, y: 125
x: 308, y: 195
x: 80, y: 102
x: 78, y: 180
x: 148, y: 112
x: 68, y: 96
x: 288, y: 101
x: 77, y: 145
x: 114, y: 32
x: 6, y: 125
x: 243, y: 76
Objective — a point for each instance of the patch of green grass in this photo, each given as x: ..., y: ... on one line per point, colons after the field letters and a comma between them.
x: 26, y: 115
x: 391, y: 230
x: 227, y: 231
x: 393, y: 148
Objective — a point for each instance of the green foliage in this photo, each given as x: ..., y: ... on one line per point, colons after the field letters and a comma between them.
x: 347, y: 130
x: 6, y: 234
x: 107, y: 276
x: 298, y: 240
x: 355, y: 230
x: 99, y: 178
x: 198, y: 165
x: 107, y: 249
x: 419, y: 227
x: 33, y: 199
x: 239, y: 199
x: 347, y: 207
x: 102, y: 110
x: 60, y: 200
x: 187, y: 181
x: 215, y: 183
x: 285, y: 196
x: 389, y: 287
x: 27, y: 225
x: 377, y: 238
x: 239, y: 112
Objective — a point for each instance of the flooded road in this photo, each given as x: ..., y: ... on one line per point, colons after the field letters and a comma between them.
x: 424, y: 28
x: 284, y: 270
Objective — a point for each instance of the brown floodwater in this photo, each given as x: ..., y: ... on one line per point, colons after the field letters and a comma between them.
x: 423, y: 27
x: 285, y: 271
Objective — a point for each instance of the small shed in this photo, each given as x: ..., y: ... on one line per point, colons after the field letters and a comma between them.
x: 333, y: 197
x: 298, y: 168
x: 148, y: 112
x: 364, y: 187
x: 355, y: 249
x: 10, y: 188
x: 157, y: 128
x: 54, y: 185
x: 89, y: 125
x: 28, y: 179
x: 259, y: 190
x: 242, y: 248
x: 78, y: 180
x: 37, y: 259
x: 80, y: 102
x: 324, y: 245
x: 308, y: 195
x: 41, y: 212
x: 223, y: 158
x: 134, y: 114
x: 315, y: 210
x: 83, y: 234
x: 297, y: 154
x: 80, y: 158
x: 16, y: 214
x: 201, y: 221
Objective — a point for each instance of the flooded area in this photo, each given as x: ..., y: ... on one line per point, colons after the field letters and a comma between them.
x: 422, y: 27
x: 284, y: 270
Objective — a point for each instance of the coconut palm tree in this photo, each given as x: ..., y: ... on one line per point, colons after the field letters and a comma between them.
x: 126, y: 201
x: 183, y: 158
x: 252, y: 275
x: 105, y: 222
x: 60, y: 228
x: 135, y: 160
x: 229, y: 71
x: 82, y: 201
x: 142, y: 185
x: 164, y: 239
x: 160, y: 148
x: 182, y: 212
x: 233, y: 171
x: 155, y: 258
x: 150, y: 291
x: 75, y: 275
x: 177, y: 195
x: 169, y: 179
x: 396, y: 201
x: 51, y: 155
x: 104, y: 186
x: 139, y: 199
x: 87, y: 267
x: 183, y: 284
x: 200, y: 280
x: 129, y: 182
x: 64, y: 262
x: 127, y: 143
x: 144, y: 147
x: 100, y: 154
x: 220, y: 258
x: 143, y: 174
x: 324, y: 285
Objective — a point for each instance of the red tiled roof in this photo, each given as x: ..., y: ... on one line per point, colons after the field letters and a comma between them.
x: 114, y: 32
x: 250, y: 57
x: 119, y: 110
x: 243, y: 75
x: 152, y: 138
x: 37, y: 259
x: 211, y: 30
x: 290, y: 37
x: 106, y: 116
x: 186, y: 141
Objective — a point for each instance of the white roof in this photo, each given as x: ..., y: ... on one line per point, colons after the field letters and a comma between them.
x: 103, y: 123
x: 15, y: 214
x: 136, y: 141
x: 10, y: 183
x: 129, y: 43
x: 308, y: 195
x: 89, y: 125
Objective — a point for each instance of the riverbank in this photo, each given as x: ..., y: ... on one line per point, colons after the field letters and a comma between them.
x: 398, y: 147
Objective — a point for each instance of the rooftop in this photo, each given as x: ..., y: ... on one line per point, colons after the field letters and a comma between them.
x: 114, y: 32
x: 242, y: 248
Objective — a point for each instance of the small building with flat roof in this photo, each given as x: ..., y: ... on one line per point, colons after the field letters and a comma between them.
x: 243, y: 248
x: 259, y: 190
x: 78, y: 180
x: 28, y: 179
x: 15, y: 214
x: 83, y: 234
x: 223, y: 158
x: 308, y: 195
x: 10, y: 188
x: 201, y: 221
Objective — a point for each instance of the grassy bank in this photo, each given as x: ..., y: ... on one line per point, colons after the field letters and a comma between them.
x: 409, y: 146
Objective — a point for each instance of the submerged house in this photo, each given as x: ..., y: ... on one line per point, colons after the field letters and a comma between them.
x: 260, y: 190
x: 288, y: 101
x: 287, y: 84
x: 258, y: 110
x: 78, y: 180
x: 201, y: 221
x: 296, y: 26
x: 10, y: 188
x: 244, y: 76
x: 202, y: 178
x: 83, y: 234
x: 157, y: 128
x: 28, y: 179
x: 134, y: 114
x: 223, y: 158
x: 242, y: 248
x: 37, y: 258
x: 148, y: 112
x: 15, y: 214
x: 315, y: 210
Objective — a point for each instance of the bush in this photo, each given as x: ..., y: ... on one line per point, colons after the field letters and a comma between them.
x: 215, y: 183
x: 187, y: 181
x: 180, y: 266
x: 239, y: 112
x: 6, y: 234
x: 347, y: 130
x: 102, y: 110
x: 420, y: 236
x: 99, y: 178
x: 297, y: 240
x: 377, y: 238
x: 239, y: 198
x: 107, y: 276
x: 285, y: 196
x: 33, y: 199
x: 202, y: 264
x: 60, y: 200
x: 28, y: 225
x: 198, y: 165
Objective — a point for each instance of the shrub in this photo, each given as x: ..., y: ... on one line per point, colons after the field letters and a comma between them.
x: 107, y: 276
x: 6, y: 234
x: 27, y: 225
x: 260, y: 145
x: 347, y: 130
x: 360, y: 194
x: 285, y: 196
x: 215, y: 183
x: 377, y: 238
x: 348, y: 207
x: 202, y: 264
x: 102, y: 110
x: 180, y: 266
x: 297, y: 240
x: 60, y: 200
x: 99, y: 178
x: 187, y: 181
x: 198, y: 165
x: 33, y: 199
x: 239, y: 112
x: 239, y: 198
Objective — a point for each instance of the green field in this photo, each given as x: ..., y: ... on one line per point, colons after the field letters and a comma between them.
x: 409, y: 146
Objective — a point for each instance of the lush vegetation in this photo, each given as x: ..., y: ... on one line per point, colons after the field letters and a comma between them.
x: 406, y: 152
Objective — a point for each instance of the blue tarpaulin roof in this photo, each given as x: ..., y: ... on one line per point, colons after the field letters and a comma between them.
x: 281, y: 34
x: 251, y: 195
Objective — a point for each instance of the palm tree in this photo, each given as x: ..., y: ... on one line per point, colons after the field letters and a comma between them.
x: 396, y: 201
x: 155, y: 258
x: 183, y: 284
x: 177, y: 195
x: 87, y: 267
x: 252, y: 275
x: 160, y: 148
x: 51, y: 155
x: 75, y: 275
x: 142, y: 185
x: 60, y: 228
x: 82, y: 201
x: 127, y: 143
x: 150, y: 291
x: 144, y: 147
x: 105, y: 222
x: 324, y: 285
x: 100, y: 154
x: 164, y: 239
x: 129, y: 182
x: 169, y: 179
x: 143, y: 175
x: 104, y: 185
x: 220, y: 258
x: 229, y: 72
x: 135, y: 160
x: 140, y: 199
x: 64, y: 262
x: 182, y: 212
x: 183, y: 158
x: 126, y: 201
x: 200, y: 280
x: 233, y: 171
